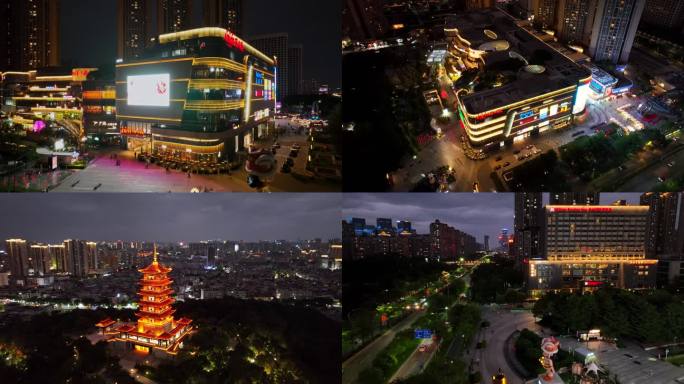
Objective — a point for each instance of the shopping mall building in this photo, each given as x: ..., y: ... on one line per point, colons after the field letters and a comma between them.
x: 201, y: 94
x: 593, y: 246
x: 522, y: 86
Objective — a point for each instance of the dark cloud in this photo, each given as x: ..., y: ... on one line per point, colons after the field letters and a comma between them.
x: 170, y: 217
x: 476, y: 213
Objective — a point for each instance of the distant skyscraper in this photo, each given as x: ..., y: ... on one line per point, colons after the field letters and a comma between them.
x: 276, y: 44
x: 58, y: 255
x: 363, y: 19
x: 529, y: 226
x: 503, y: 239
x: 29, y: 34
x: 664, y: 14
x: 574, y: 198
x: 384, y: 223
x: 77, y: 253
x: 294, y: 68
x: 614, y: 28
x: 486, y: 243
x: 574, y: 20
x: 17, y: 250
x: 132, y: 28
x: 404, y: 226
x: 666, y: 212
x: 225, y: 14
x: 39, y: 259
x: 173, y: 15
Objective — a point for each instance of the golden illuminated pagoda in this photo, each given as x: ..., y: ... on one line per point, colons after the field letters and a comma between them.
x: 156, y: 327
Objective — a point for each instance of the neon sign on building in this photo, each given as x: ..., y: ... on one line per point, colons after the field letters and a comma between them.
x: 234, y: 41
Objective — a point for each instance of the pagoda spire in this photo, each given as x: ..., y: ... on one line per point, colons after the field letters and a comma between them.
x: 154, y: 261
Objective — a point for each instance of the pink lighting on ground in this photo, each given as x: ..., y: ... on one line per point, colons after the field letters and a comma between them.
x: 38, y: 126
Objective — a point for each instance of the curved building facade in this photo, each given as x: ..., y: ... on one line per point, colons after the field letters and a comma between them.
x: 202, y: 94
x: 509, y: 83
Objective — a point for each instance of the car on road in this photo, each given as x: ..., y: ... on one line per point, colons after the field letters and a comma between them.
x: 671, y: 164
x: 660, y: 179
x: 294, y: 153
x: 498, y: 166
x: 506, y: 164
x: 289, y: 161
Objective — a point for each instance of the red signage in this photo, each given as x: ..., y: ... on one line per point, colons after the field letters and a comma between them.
x: 487, y: 114
x: 80, y: 74
x: 581, y: 209
x: 234, y: 41
x: 131, y: 131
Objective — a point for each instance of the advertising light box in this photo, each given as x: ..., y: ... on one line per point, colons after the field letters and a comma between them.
x: 149, y: 90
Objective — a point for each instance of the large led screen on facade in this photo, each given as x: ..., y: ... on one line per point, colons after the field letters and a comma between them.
x: 149, y: 90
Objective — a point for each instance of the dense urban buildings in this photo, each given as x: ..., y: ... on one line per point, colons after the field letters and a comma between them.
x: 442, y: 243
x: 202, y: 94
x: 29, y: 34
x: 592, y: 246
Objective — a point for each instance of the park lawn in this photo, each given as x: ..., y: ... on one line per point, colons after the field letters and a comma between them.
x: 677, y: 360
x: 391, y: 358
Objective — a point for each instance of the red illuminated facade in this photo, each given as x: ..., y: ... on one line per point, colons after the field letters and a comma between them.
x: 156, y: 326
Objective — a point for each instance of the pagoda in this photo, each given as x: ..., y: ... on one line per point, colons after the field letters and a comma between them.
x: 156, y: 327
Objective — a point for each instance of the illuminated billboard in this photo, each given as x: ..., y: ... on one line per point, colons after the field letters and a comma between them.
x: 581, y: 98
x: 149, y: 90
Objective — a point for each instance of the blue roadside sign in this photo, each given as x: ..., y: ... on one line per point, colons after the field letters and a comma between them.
x: 422, y: 334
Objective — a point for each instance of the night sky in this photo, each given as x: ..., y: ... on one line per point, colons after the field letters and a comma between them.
x: 89, y: 31
x: 476, y: 213
x: 169, y: 217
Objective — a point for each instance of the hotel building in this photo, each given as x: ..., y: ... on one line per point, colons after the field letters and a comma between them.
x: 593, y: 246
x: 201, y: 94
x: 523, y: 86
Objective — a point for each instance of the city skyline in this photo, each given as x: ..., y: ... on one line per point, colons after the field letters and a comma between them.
x: 310, y: 23
x: 478, y: 216
x: 169, y: 218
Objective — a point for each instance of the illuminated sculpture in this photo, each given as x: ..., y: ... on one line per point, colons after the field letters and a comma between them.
x: 156, y: 327
x: 549, y: 347
x: 261, y: 166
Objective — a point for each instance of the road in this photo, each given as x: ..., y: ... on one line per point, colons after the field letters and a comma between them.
x: 647, y: 179
x: 364, y: 358
x: 414, y: 364
x: 502, y: 324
